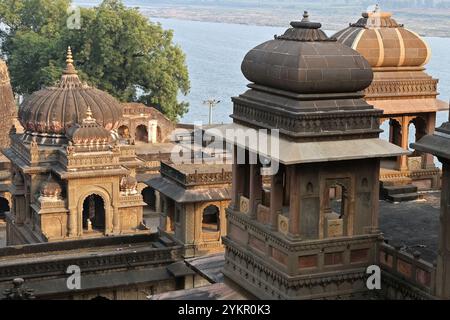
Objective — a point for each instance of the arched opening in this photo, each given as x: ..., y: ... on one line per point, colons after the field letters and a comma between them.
x: 124, y: 132
x: 393, y: 133
x: 4, y: 205
x: 142, y: 133
x: 149, y: 196
x: 94, y: 213
x: 337, y: 204
x: 417, y: 130
x: 336, y: 210
x: 210, y: 222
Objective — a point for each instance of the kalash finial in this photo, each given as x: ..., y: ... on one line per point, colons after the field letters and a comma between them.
x: 89, y: 116
x: 305, y: 16
x: 377, y: 8
x: 70, y: 69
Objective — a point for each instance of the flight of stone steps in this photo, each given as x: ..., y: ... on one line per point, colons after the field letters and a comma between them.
x: 398, y: 193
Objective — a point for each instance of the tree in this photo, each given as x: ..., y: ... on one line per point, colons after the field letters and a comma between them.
x: 116, y: 49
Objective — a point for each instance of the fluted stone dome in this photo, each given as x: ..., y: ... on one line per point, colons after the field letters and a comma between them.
x: 51, y: 188
x: 384, y: 42
x: 305, y: 60
x: 88, y: 132
x: 51, y: 112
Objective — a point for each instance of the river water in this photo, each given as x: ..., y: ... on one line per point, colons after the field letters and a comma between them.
x: 214, y: 52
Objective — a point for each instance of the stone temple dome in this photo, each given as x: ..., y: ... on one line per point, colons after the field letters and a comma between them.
x: 50, y: 112
x: 88, y: 132
x: 305, y: 60
x: 384, y: 42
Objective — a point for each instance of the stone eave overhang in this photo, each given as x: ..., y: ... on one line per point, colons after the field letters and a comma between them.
x: 181, y: 195
x: 89, y: 173
x: 295, y: 152
x: 26, y: 167
x: 437, y: 144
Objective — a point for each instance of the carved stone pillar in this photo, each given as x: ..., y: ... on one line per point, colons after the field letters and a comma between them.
x: 443, y: 259
x: 255, y: 189
x: 157, y: 201
x: 153, y: 131
x: 276, y: 197
x: 72, y: 222
x: 238, y: 180
x: 116, y: 222
x: 294, y: 201
x: 405, y: 138
x: 428, y: 159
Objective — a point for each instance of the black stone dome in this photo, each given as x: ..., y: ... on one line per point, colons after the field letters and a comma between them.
x: 305, y: 60
x: 49, y: 113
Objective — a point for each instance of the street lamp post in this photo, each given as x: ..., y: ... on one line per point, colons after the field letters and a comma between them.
x: 211, y: 103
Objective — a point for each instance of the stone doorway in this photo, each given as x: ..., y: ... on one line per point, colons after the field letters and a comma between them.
x: 4, y: 205
x: 210, y: 222
x: 94, y: 214
x: 142, y: 133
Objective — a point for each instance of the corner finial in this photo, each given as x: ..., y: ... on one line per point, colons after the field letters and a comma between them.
x: 70, y: 69
x: 377, y: 8
x: 305, y: 16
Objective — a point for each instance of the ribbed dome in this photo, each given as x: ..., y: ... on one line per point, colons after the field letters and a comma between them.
x: 88, y: 132
x: 51, y: 188
x: 52, y: 111
x: 305, y: 60
x: 384, y: 42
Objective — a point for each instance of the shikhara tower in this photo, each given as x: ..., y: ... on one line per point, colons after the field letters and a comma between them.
x: 71, y: 178
x: 288, y: 236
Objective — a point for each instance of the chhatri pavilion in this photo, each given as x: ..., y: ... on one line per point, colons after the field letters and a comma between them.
x: 71, y: 176
x: 404, y: 91
x: 321, y: 231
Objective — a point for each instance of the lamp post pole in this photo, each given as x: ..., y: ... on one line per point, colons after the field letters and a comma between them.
x: 211, y: 103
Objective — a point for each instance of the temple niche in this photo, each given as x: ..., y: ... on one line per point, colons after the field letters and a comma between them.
x: 71, y: 176
x: 310, y: 229
x: 406, y: 94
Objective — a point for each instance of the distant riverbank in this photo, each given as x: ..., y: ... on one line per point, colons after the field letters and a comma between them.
x: 430, y: 22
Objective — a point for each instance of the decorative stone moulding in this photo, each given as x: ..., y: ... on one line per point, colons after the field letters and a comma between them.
x: 244, y: 205
x: 283, y: 224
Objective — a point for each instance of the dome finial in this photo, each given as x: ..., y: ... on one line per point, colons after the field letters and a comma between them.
x: 377, y: 8
x: 305, y: 16
x: 70, y: 69
x: 89, y: 116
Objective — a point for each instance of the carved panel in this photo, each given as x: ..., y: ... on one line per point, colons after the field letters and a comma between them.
x: 244, y: 205
x: 283, y: 224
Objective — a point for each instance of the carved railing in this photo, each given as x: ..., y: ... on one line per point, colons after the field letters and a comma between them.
x: 408, y: 267
x: 402, y: 88
x: 57, y: 266
x: 196, y: 178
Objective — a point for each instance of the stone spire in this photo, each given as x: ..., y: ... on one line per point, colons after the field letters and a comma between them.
x: 70, y: 69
